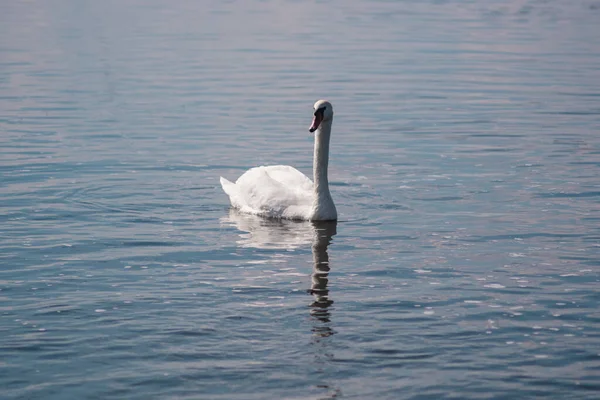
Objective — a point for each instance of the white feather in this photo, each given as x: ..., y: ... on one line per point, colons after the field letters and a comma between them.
x: 281, y: 191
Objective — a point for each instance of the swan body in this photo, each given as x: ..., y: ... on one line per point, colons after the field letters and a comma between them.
x: 281, y: 191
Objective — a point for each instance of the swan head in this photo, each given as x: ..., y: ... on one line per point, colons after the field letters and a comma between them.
x: 323, y: 112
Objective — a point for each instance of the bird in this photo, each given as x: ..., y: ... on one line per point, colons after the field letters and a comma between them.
x: 283, y: 192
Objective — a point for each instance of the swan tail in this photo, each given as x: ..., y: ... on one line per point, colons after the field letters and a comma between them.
x: 228, y: 186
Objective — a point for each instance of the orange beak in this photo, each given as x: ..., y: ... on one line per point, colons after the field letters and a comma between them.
x: 316, y: 121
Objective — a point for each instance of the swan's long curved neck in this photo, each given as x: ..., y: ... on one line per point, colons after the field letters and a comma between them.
x: 321, y: 160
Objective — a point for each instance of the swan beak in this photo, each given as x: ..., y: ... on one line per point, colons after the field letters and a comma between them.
x: 316, y: 122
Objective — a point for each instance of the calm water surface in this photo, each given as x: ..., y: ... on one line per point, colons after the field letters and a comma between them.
x: 465, y: 167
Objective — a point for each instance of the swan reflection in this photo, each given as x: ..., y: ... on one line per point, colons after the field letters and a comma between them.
x: 324, y: 232
x: 288, y: 235
x: 262, y: 233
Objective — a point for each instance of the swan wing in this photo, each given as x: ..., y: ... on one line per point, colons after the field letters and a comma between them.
x: 290, y: 177
x: 278, y: 191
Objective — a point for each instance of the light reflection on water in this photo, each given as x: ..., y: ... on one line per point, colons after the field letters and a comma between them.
x: 464, y: 165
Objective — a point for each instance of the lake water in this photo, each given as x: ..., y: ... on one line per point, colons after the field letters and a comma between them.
x: 465, y: 168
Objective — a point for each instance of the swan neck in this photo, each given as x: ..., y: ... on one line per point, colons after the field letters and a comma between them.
x: 321, y: 159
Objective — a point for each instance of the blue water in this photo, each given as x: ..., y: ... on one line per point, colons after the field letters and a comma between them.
x: 465, y: 168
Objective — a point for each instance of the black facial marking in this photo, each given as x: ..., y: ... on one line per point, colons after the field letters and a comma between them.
x: 320, y: 109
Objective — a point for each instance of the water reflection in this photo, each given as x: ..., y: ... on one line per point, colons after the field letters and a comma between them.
x: 320, y: 309
x: 324, y: 232
x: 264, y: 233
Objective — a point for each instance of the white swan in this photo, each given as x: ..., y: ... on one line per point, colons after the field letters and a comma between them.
x: 281, y: 191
